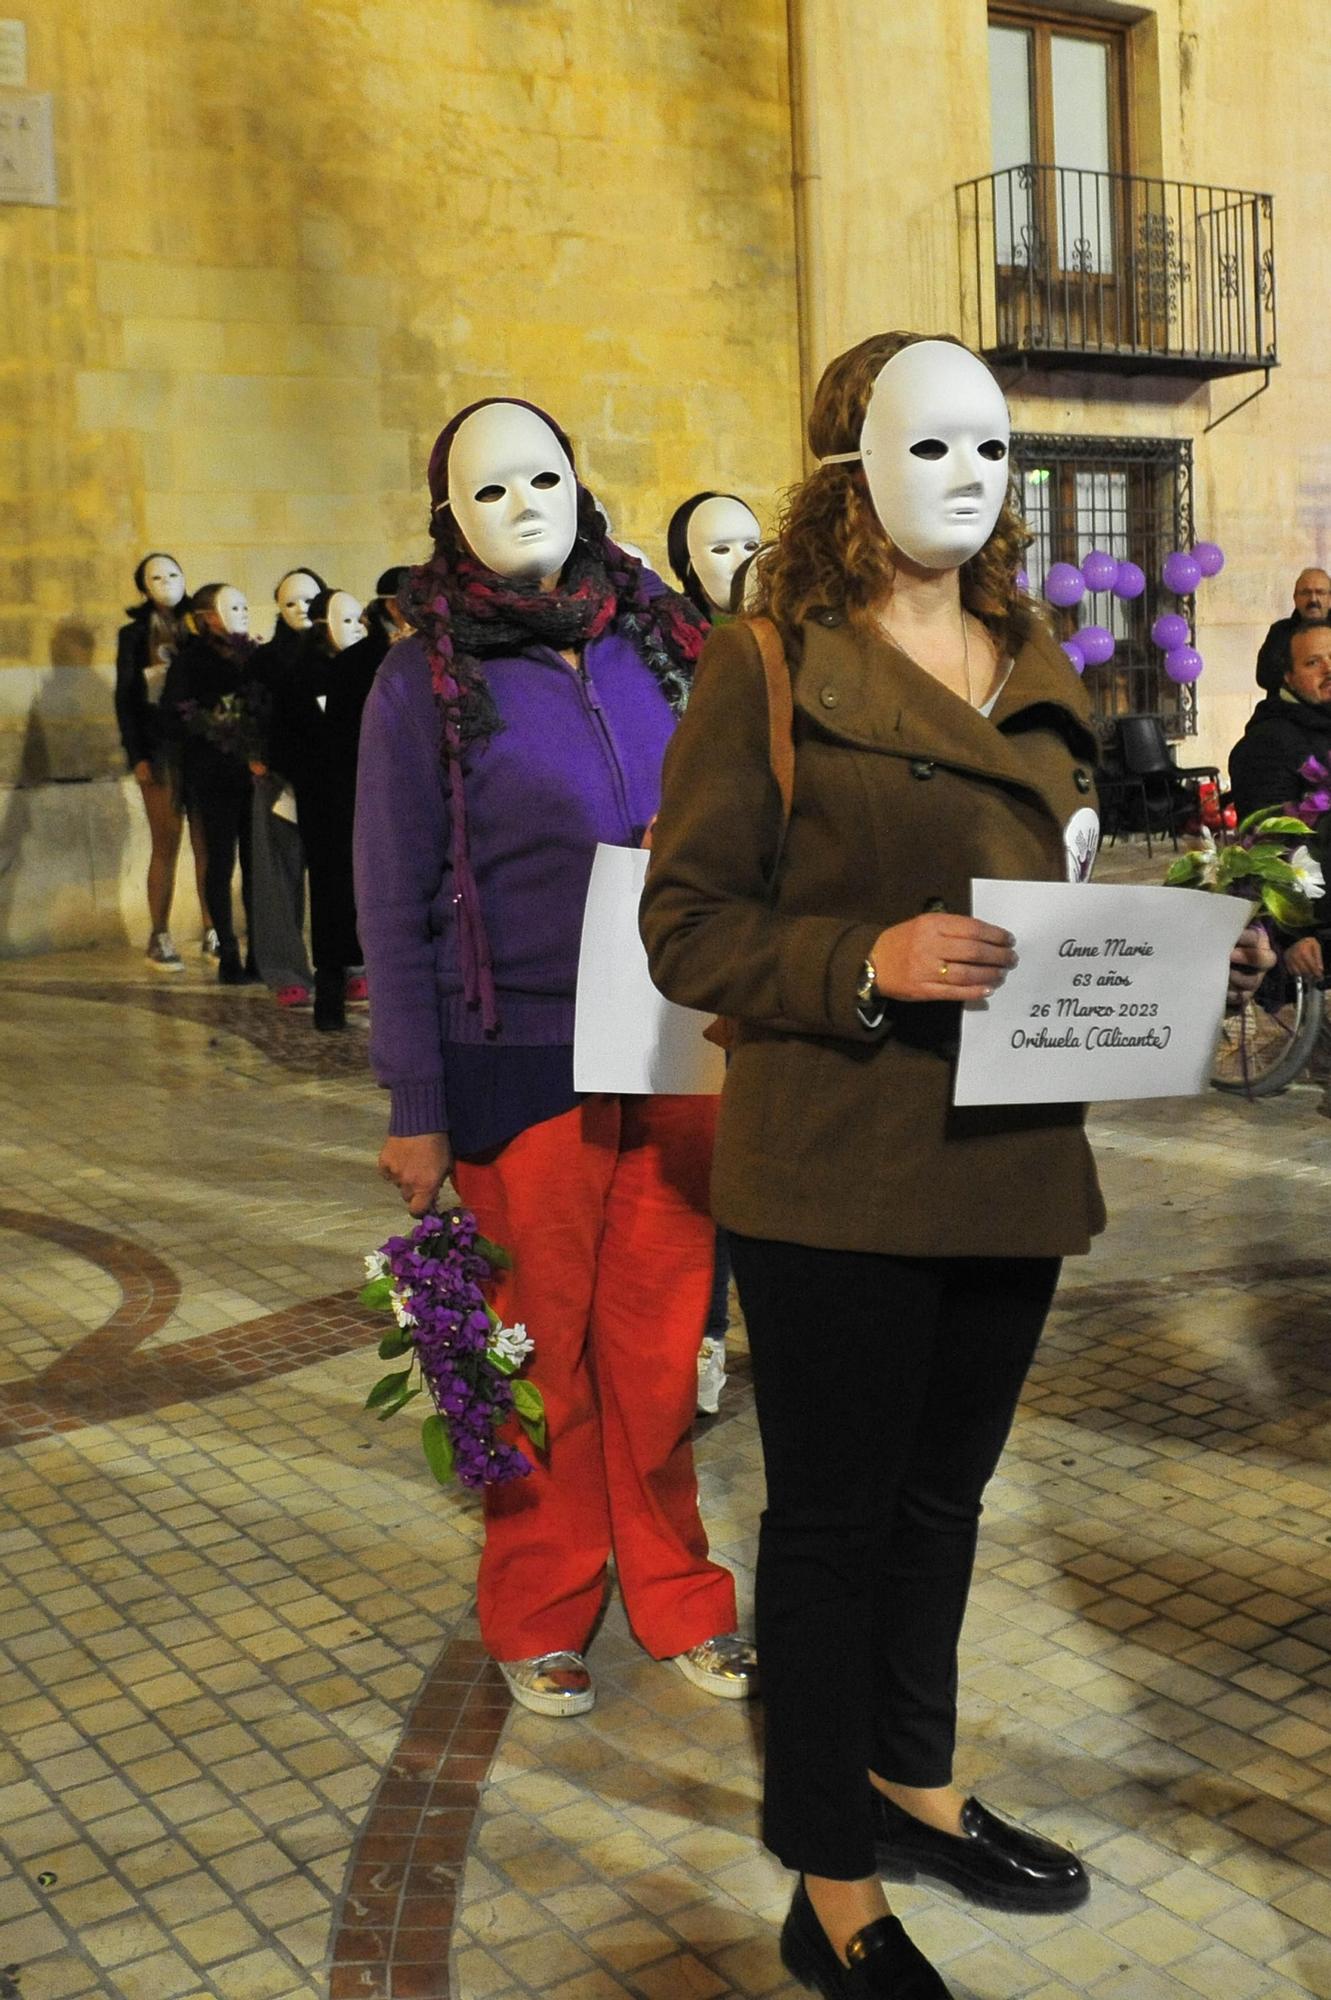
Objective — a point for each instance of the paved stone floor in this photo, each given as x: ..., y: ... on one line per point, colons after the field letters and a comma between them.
x: 250, y: 1748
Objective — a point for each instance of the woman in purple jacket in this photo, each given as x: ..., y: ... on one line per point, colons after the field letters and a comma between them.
x: 523, y: 724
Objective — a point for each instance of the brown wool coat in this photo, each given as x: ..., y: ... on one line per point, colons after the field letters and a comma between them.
x: 832, y: 1134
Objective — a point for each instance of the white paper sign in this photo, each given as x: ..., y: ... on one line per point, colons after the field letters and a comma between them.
x: 1117, y: 992
x: 27, y: 149
x: 627, y: 1038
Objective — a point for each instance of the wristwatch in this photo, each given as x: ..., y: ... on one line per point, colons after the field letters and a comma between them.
x: 869, y: 1005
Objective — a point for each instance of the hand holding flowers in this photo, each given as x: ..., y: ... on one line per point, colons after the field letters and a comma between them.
x: 431, y: 1281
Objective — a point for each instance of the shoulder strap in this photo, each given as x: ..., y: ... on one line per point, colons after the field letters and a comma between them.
x: 780, y: 711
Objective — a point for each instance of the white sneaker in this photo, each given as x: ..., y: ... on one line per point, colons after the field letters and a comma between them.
x: 551, y: 1683
x: 210, y: 944
x: 726, y: 1665
x: 162, y: 955
x: 711, y: 1375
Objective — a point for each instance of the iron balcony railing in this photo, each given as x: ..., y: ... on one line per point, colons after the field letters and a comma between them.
x: 1065, y: 267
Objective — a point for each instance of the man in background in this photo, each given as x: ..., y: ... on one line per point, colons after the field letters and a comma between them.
x: 1312, y: 602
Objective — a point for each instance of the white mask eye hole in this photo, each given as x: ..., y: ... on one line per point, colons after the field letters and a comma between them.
x: 546, y: 479
x: 929, y: 448
x: 750, y: 548
x: 994, y: 448
x: 489, y: 494
x: 720, y: 548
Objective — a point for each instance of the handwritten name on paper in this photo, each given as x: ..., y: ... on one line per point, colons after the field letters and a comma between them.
x: 1117, y: 992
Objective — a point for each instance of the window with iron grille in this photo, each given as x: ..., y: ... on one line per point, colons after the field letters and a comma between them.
x: 1133, y: 498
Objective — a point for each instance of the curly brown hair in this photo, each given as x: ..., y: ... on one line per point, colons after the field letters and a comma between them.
x: 831, y: 552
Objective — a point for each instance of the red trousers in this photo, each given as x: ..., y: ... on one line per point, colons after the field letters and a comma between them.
x: 604, y: 1211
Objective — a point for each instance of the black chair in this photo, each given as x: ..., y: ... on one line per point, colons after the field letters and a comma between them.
x: 1170, y: 789
x: 1123, y: 801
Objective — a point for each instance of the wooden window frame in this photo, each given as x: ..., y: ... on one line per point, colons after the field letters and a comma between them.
x: 1042, y: 24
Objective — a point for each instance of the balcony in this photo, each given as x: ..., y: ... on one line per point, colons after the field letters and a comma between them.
x: 1066, y: 268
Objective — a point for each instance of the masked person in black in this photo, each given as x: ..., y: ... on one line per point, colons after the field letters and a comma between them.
x: 210, y: 707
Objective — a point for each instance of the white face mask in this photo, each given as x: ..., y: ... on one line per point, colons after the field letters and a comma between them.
x: 935, y: 452
x: 164, y: 583
x: 233, y: 610
x: 295, y: 594
x: 345, y: 623
x: 720, y: 534
x: 513, y: 493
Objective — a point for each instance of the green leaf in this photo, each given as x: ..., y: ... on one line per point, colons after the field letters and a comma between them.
x: 1255, y: 819
x: 396, y: 1341
x: 529, y: 1408
x: 503, y: 1364
x: 386, y: 1387
x: 1287, y: 906
x: 1283, y: 823
x: 398, y: 1401
x: 495, y: 1321
x: 494, y: 1254
x: 1184, y: 871
x: 438, y: 1448
x: 378, y: 1295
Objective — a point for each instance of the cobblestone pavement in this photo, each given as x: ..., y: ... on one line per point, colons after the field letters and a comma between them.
x: 251, y: 1749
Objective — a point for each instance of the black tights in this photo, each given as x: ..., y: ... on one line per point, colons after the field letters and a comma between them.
x: 885, y: 1388
x: 225, y: 813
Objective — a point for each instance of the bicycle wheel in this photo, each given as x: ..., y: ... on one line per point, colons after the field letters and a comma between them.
x: 1263, y: 1047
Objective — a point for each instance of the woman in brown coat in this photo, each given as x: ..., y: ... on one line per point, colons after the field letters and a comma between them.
x: 895, y: 1256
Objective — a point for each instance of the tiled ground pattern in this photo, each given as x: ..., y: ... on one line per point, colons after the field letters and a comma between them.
x: 217, y: 1615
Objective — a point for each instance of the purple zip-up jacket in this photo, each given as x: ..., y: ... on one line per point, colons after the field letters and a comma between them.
x: 577, y: 762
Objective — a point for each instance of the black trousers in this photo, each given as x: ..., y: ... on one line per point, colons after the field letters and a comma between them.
x: 225, y: 811
x: 885, y: 1389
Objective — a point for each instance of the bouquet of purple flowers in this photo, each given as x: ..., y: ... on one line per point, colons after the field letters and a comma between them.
x: 432, y: 1282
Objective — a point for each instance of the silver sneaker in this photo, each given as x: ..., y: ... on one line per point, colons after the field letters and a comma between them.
x: 551, y: 1684
x: 711, y: 1375
x: 210, y: 944
x: 162, y: 955
x: 726, y: 1665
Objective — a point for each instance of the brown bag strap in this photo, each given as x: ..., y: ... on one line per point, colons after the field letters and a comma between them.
x: 780, y: 712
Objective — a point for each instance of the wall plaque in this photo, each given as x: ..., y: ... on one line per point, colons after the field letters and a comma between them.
x: 27, y: 148
x: 13, y: 55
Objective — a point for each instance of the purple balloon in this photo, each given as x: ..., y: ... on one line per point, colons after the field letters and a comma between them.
x: 1064, y: 586
x: 1209, y: 557
x: 1075, y: 654
x: 1130, y: 581
x: 1170, y: 631
x: 1183, y: 664
x: 1097, y: 644
x: 1182, y: 573
x: 1022, y: 581
x: 1099, y: 569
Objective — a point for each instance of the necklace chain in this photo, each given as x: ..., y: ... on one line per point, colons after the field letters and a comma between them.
x: 965, y: 653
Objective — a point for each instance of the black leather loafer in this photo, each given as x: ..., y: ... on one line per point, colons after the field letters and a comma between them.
x: 882, y: 1959
x: 990, y: 1861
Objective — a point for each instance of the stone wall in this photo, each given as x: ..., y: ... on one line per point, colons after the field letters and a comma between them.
x: 292, y: 240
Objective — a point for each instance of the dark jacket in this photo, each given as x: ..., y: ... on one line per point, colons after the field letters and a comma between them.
x: 1264, y: 764
x: 214, y: 753
x: 833, y: 1134
x: 1272, y: 654
x: 138, y: 714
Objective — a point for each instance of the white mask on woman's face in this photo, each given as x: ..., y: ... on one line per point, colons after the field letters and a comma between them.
x: 233, y: 610
x: 295, y: 594
x: 345, y: 623
x: 513, y: 493
x: 720, y: 533
x: 163, y: 582
x: 935, y: 452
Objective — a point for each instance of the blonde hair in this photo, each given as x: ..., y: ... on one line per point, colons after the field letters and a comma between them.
x: 832, y: 553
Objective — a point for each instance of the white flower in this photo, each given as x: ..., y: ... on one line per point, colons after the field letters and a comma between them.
x: 376, y: 1265
x: 1202, y: 849
x: 1307, y: 873
x: 512, y: 1343
x: 402, y: 1312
